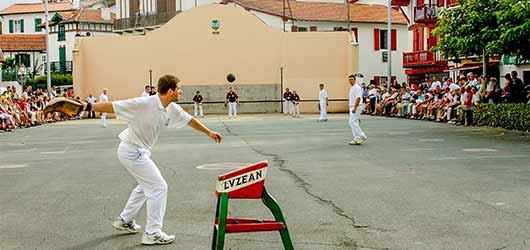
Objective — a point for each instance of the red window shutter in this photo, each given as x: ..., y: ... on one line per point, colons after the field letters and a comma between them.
x: 420, y: 3
x: 376, y: 39
x: 440, y: 3
x: 355, y: 33
x: 313, y: 28
x: 421, y: 37
x: 393, y: 44
x: 377, y: 80
x: 294, y: 28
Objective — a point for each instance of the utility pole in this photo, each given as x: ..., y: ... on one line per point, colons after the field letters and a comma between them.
x: 47, y: 37
x: 389, y: 43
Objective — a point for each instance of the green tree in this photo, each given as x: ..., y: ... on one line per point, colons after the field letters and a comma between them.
x: 484, y: 28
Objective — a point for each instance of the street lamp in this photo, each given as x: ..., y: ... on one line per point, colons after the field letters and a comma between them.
x: 150, y: 79
x: 48, y: 73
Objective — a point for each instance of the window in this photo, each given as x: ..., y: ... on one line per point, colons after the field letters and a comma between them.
x: 302, y: 29
x: 313, y: 28
x: 16, y: 26
x: 38, y: 21
x: 381, y: 39
x: 61, y: 34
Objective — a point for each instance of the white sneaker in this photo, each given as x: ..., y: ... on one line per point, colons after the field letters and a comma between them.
x: 130, y: 227
x: 355, y: 142
x: 159, y: 238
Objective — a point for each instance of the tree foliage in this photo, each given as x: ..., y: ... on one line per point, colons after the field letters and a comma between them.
x: 485, y: 27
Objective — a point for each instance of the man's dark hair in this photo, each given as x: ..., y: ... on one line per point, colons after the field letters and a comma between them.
x: 146, y: 87
x: 198, y: 92
x: 352, y: 76
x: 514, y: 73
x: 167, y: 82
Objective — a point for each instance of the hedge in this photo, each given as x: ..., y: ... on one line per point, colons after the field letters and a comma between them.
x: 513, y: 116
x: 57, y: 80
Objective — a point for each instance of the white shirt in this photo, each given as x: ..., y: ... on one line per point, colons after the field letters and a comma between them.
x: 454, y: 86
x: 146, y: 116
x: 355, y: 92
x: 91, y: 99
x: 436, y: 84
x: 372, y: 93
x: 103, y: 98
x: 323, y: 95
x: 144, y: 94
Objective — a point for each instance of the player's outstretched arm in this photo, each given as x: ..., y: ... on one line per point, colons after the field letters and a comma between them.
x: 196, y: 124
x: 105, y: 107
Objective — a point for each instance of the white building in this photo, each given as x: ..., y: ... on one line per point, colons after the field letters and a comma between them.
x: 23, y: 35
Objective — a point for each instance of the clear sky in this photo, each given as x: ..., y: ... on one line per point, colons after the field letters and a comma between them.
x: 6, y: 3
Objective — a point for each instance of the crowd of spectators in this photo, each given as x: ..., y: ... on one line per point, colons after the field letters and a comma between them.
x: 26, y: 109
x: 443, y: 101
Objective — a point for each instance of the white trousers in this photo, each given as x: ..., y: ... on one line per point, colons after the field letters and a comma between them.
x: 151, y: 189
x: 285, y: 106
x: 104, y: 119
x: 33, y: 116
x: 290, y: 107
x: 354, y: 123
x: 296, y: 109
x: 197, y: 109
x: 323, y: 111
x: 232, y: 109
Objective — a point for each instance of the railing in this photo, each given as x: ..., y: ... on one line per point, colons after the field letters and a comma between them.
x: 452, y: 3
x: 144, y: 20
x: 60, y: 67
x: 425, y: 14
x: 421, y: 58
x: 400, y: 2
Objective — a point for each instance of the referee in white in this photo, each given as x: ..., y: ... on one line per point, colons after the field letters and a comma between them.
x: 356, y: 106
x: 145, y: 117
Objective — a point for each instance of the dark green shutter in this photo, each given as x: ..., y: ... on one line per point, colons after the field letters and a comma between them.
x: 21, y: 25
x: 62, y: 59
x: 38, y: 21
x: 10, y: 26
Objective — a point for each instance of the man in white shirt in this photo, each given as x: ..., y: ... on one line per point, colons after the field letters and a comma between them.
x: 91, y: 99
x: 145, y: 117
x: 104, y: 98
x: 323, y: 102
x: 435, y: 83
x: 355, y: 104
x: 146, y: 92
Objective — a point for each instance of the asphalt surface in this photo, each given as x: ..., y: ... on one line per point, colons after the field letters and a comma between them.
x: 413, y: 185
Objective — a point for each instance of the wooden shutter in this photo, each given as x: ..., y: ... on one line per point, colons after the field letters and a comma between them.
x: 393, y: 42
x: 171, y: 5
x: 21, y: 25
x: 312, y: 28
x: 421, y: 36
x: 11, y: 26
x: 376, y: 39
x: 420, y: 3
x: 377, y: 80
x: 294, y: 28
x: 38, y: 21
x: 134, y: 8
x: 440, y: 3
x: 161, y: 6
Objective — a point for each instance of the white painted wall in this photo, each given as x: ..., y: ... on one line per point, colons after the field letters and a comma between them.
x: 29, y: 22
x: 69, y: 43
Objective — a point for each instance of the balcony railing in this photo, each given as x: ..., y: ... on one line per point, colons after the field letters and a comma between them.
x: 144, y: 21
x: 60, y: 67
x: 400, y: 2
x: 425, y: 14
x: 452, y: 3
x: 422, y: 58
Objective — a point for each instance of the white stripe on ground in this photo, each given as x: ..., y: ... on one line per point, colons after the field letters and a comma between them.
x: 15, y: 173
x: 480, y: 150
x: 13, y: 166
x: 427, y: 140
x: 53, y: 152
x: 479, y: 157
x: 416, y: 149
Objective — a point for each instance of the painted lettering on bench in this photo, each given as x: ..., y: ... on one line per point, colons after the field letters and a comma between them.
x: 241, y: 181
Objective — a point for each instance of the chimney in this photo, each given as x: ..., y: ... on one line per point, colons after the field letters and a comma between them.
x: 105, y: 13
x: 76, y: 4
